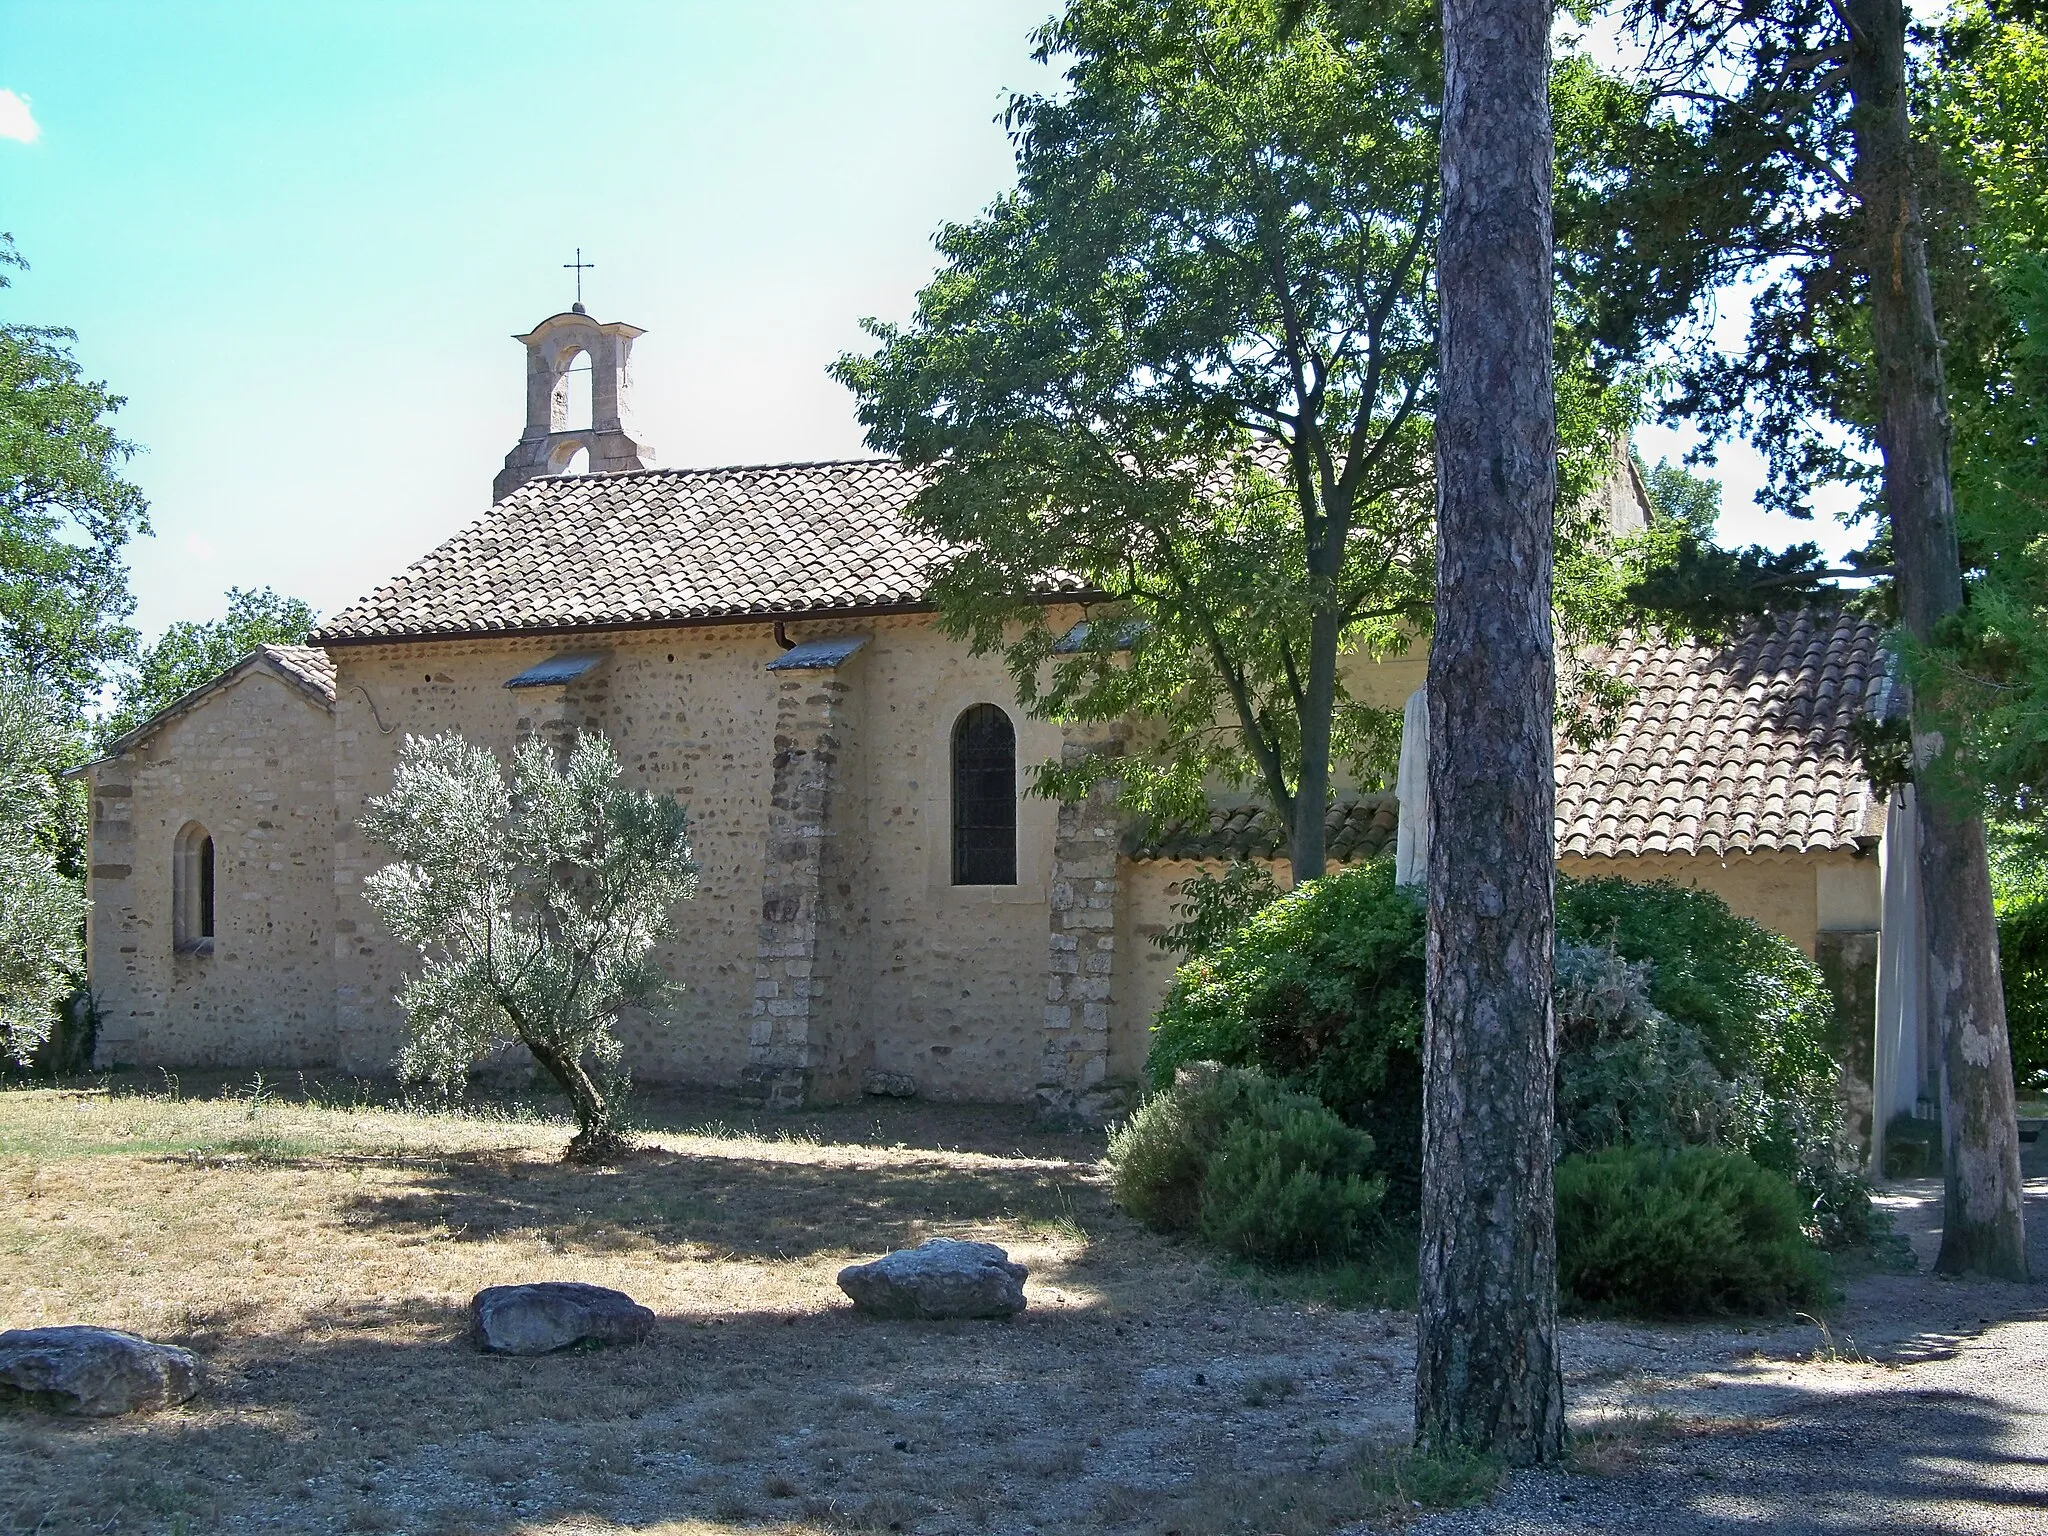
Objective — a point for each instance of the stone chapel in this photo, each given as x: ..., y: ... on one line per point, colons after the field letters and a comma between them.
x: 881, y: 908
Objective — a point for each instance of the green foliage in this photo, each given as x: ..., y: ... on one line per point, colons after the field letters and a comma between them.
x: 1686, y: 1232
x: 65, y: 516
x: 42, y: 910
x: 1189, y: 362
x: 535, y: 906
x: 1679, y: 1023
x: 1322, y: 989
x: 1256, y: 1169
x: 1763, y: 1013
x: 1213, y: 907
x: 1627, y: 1071
x: 189, y: 655
x: 2019, y: 885
x: 1678, y: 495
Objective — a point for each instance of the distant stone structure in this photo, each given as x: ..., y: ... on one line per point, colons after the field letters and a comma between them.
x: 881, y: 906
x: 551, y: 441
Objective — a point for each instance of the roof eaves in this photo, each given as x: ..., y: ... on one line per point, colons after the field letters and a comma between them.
x: 190, y: 700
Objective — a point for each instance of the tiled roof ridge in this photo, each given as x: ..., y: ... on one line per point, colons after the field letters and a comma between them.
x: 681, y: 471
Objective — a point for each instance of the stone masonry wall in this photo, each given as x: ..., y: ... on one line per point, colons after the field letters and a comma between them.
x: 253, y: 766
x: 809, y: 1033
x: 949, y: 980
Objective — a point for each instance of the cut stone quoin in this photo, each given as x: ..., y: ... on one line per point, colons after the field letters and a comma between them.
x: 541, y: 1318
x: 942, y: 1278
x: 96, y: 1372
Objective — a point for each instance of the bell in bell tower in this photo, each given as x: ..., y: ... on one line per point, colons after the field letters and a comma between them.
x: 555, y: 441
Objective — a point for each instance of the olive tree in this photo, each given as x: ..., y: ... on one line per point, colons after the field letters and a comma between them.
x: 535, y: 906
x: 42, y: 910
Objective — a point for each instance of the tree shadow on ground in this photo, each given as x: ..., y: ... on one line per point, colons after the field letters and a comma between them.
x: 726, y: 1202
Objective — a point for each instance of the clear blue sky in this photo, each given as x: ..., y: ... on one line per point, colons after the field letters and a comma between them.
x: 299, y: 236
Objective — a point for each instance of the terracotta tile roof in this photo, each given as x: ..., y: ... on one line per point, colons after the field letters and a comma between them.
x: 654, y: 546
x: 1359, y: 827
x: 1742, y: 750
x: 307, y: 665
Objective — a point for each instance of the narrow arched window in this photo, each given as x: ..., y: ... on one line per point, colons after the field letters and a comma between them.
x: 192, y: 890
x: 984, y: 798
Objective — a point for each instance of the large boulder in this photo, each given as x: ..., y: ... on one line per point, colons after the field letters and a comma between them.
x: 553, y: 1314
x: 938, y: 1279
x: 94, y: 1371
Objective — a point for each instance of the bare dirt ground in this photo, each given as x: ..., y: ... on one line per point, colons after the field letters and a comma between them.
x: 320, y: 1256
x: 1921, y: 1407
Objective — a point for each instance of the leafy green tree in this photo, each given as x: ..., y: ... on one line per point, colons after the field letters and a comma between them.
x: 535, y: 906
x: 1190, y: 363
x: 1984, y: 677
x: 188, y: 655
x: 1775, y: 140
x: 66, y: 515
x: 42, y: 909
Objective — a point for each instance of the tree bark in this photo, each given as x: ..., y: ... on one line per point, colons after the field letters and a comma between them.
x: 1487, y: 1372
x: 1982, y: 1226
x: 1312, y: 793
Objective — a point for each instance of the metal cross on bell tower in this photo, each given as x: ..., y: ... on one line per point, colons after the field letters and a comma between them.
x: 579, y: 266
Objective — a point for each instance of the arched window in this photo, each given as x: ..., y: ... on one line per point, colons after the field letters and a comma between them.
x: 192, y: 890
x: 984, y: 798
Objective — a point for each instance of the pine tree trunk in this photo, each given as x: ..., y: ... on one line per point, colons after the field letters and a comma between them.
x: 1487, y: 1372
x: 1982, y: 1227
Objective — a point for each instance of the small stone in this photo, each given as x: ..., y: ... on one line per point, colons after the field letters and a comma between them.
x: 98, y: 1372
x: 541, y: 1318
x: 939, y: 1279
x: 888, y: 1085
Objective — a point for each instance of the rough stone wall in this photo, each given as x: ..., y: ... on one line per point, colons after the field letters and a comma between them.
x: 687, y: 713
x: 949, y: 980
x: 958, y: 973
x: 253, y: 765
x: 1074, y: 1080
x: 810, y: 1034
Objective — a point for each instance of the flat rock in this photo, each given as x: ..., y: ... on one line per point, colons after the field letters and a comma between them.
x: 98, y: 1372
x: 541, y: 1318
x: 938, y: 1279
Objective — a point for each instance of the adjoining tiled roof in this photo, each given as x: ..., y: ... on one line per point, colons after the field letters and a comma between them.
x: 666, y: 546
x: 1358, y: 828
x: 1742, y: 750
x: 1746, y: 749
x: 307, y: 665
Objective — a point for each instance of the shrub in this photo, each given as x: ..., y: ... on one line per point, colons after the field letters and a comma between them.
x: 1761, y: 1007
x: 1256, y: 1169
x: 2023, y: 964
x: 1323, y: 990
x: 1627, y: 1072
x: 2019, y: 886
x: 1682, y: 1232
x: 1679, y: 1023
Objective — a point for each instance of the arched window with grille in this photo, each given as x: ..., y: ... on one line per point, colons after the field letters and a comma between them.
x: 192, y: 890
x: 984, y: 798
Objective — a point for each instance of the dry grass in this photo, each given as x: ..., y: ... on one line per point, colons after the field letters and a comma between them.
x: 320, y: 1259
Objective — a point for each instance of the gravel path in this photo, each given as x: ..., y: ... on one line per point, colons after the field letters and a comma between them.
x: 1922, y: 1407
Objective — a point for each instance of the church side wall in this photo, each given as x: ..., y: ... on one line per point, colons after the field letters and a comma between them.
x: 253, y: 766
x: 957, y: 989
x: 689, y: 713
